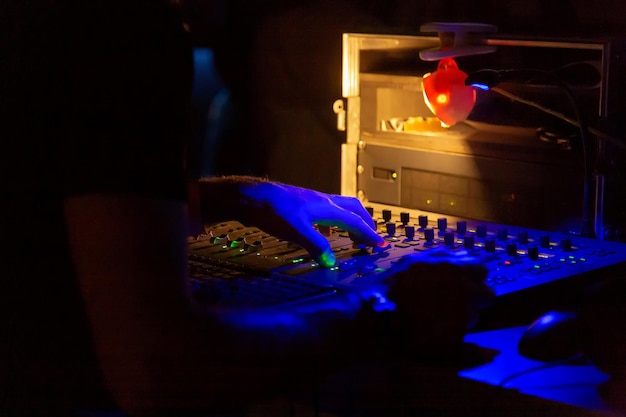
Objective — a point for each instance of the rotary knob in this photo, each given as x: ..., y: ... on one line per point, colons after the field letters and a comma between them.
x: 386, y: 215
x: 422, y: 221
x: 461, y: 227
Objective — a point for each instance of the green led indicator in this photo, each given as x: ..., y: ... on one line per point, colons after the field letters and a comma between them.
x: 536, y: 266
x: 327, y: 259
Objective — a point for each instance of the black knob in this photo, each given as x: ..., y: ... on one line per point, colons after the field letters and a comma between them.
x: 442, y: 224
x: 533, y: 253
x: 370, y: 210
x: 409, y: 231
x: 429, y: 235
x: 391, y: 228
x: 544, y: 241
x: 405, y: 218
x: 461, y: 227
x: 481, y: 231
x: 502, y: 234
x: 468, y: 242
x: 522, y: 237
x: 448, y: 238
x: 386, y: 215
x: 423, y: 221
x: 511, y: 249
x: 490, y: 245
x: 566, y: 244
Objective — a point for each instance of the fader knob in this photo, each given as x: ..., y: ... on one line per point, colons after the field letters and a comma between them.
x: 448, y: 238
x: 442, y: 224
x: 391, y: 228
x: 481, y: 231
x: 422, y: 221
x: 533, y: 253
x: 461, y: 227
x: 502, y: 234
x: 468, y: 242
x: 511, y: 249
x: 566, y: 244
x: 405, y: 218
x: 429, y: 235
x: 370, y: 210
x: 544, y: 241
x: 409, y: 231
x: 386, y: 215
x: 490, y: 245
x: 522, y: 237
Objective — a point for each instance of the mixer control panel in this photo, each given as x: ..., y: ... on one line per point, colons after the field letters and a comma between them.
x: 238, y: 264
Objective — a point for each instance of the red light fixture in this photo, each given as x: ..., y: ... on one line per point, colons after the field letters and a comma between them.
x: 446, y: 94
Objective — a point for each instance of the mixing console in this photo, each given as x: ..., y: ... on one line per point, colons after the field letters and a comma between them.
x: 239, y: 265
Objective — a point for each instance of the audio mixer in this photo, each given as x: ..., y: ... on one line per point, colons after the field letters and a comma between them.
x: 234, y: 264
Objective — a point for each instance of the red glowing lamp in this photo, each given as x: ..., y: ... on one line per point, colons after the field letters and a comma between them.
x: 446, y: 94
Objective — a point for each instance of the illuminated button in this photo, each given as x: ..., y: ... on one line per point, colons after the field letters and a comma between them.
x: 237, y: 243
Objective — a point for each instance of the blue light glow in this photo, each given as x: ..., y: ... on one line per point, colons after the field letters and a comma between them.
x: 481, y: 86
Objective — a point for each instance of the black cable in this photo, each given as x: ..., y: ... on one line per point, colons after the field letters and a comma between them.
x: 489, y: 78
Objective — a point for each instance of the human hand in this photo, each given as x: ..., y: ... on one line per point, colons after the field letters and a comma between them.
x: 437, y: 297
x: 290, y: 212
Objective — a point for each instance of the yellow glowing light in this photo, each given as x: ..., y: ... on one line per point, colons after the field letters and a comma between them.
x: 452, y: 203
x: 442, y: 98
x: 429, y: 201
x: 394, y: 175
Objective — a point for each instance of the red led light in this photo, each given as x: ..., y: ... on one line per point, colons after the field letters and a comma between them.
x: 446, y: 94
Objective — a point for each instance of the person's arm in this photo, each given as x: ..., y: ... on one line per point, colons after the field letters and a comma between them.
x: 157, y: 354
x: 161, y: 356
x: 286, y: 211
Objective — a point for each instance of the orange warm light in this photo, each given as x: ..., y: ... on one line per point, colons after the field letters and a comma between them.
x: 446, y: 94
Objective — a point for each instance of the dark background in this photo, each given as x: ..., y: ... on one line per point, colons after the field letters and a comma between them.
x: 280, y: 62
